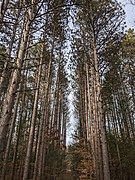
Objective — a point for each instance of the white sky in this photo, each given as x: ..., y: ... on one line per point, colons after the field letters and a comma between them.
x: 130, y: 13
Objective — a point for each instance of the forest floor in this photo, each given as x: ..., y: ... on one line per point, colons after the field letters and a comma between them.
x: 66, y: 176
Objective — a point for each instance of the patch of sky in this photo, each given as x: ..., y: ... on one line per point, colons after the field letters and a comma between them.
x: 130, y: 13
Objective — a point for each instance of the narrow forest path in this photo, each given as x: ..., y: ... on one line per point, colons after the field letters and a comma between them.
x: 66, y: 176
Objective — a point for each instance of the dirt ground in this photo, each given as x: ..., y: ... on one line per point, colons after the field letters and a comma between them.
x: 66, y: 176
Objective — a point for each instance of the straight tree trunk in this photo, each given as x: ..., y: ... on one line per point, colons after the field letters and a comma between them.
x: 102, y: 123
x: 32, y: 128
x: 36, y: 169
x: 106, y: 171
x: 16, y: 148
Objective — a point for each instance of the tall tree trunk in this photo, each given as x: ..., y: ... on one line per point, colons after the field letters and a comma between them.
x: 42, y: 124
x: 32, y: 128
x: 10, y: 136
x: 102, y: 123
x: 11, y: 94
x: 16, y: 148
x: 8, y: 58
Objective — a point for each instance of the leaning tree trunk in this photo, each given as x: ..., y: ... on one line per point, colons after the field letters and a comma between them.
x: 8, y: 58
x: 11, y: 94
x: 10, y: 137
